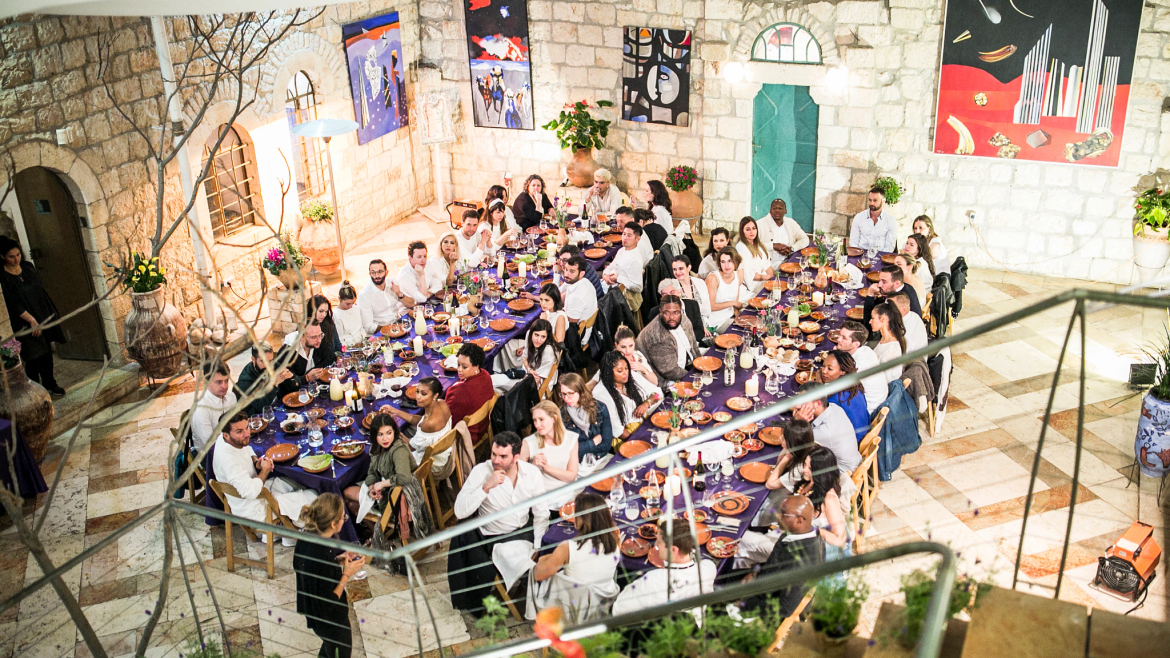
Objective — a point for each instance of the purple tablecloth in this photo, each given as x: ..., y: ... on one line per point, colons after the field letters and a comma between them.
x: 716, y: 401
x: 29, y: 480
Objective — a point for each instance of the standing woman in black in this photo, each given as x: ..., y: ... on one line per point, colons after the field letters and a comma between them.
x: 532, y: 203
x: 30, y: 306
x: 322, y: 576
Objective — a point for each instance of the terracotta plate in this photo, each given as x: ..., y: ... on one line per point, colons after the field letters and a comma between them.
x: 613, y: 238
x: 761, y: 302
x: 803, y: 378
x: 594, y: 253
x: 729, y: 503
x: 863, y: 292
x: 701, y: 417
x: 752, y: 445
x: 854, y: 251
x: 809, y: 251
x: 521, y: 304
x: 804, y: 365
x: 257, y: 425
x: 873, y: 276
x: 834, y: 334
x: 412, y: 391
x: 685, y: 389
x: 707, y: 363
x: 292, y: 400
x: 633, y: 448
x: 728, y: 340
x: 349, y: 449
x: 773, y: 436
x: 648, y: 531
x: 282, y: 452
x: 721, y: 416
x: 748, y: 321
x: 774, y: 284
x: 394, y: 332
x: 790, y: 268
x: 635, y: 547
x: 604, y: 485
x: 661, y: 420
x: 855, y: 313
x: 754, y: 472
x: 722, y: 547
x: 739, y: 404
x: 888, y: 259
x: 810, y: 327
x: 441, y: 316
x: 534, y: 230
x: 502, y: 324
x: 650, y: 513
x: 321, y: 469
x: 700, y: 516
x: 567, y: 510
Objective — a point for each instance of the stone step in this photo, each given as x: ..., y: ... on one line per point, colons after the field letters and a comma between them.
x: 1119, y: 636
x: 1010, y: 623
x: 884, y: 641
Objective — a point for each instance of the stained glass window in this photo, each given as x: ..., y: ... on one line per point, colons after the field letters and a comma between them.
x: 786, y: 43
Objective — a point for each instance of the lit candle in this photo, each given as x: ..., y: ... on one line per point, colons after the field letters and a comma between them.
x: 418, y: 345
x: 453, y: 326
x: 818, y: 298
x: 500, y: 267
x: 751, y: 387
x: 673, y: 485
x: 662, y: 461
x: 523, y: 270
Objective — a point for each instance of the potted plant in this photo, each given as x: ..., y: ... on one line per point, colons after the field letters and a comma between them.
x: 155, y: 331
x: 890, y: 188
x: 318, y: 237
x: 286, y: 260
x: 472, y: 281
x: 26, y: 403
x: 578, y: 130
x: 1151, y: 447
x: 684, y: 203
x: 1151, y: 223
x: 834, y: 612
x: 917, y: 586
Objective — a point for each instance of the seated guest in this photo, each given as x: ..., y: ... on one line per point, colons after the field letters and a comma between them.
x: 347, y: 317
x: 532, y: 203
x: 580, y: 300
x: 500, y: 193
x: 582, y: 415
x: 691, y: 310
x: 537, y: 354
x: 442, y: 271
x: 669, y: 341
x: 851, y: 339
x: 579, y: 574
x: 624, y: 342
x: 918, y: 248
x: 837, y: 364
x: 797, y: 440
x: 626, y: 395
x: 887, y: 321
x: 681, y: 579
x: 215, y: 401
x: 912, y: 324
x: 783, y: 234
x: 321, y: 577
x: 720, y: 238
x: 800, y: 545
x: 472, y: 243
x: 658, y: 199
x: 874, y: 228
x: 310, y: 362
x: 604, y: 197
x: 496, y: 223
x: 822, y: 484
x: 552, y: 310
x: 890, y: 280
x: 690, y: 286
x: 412, y: 278
x: 569, y: 251
x: 254, y: 379
x: 651, y: 228
x: 392, y: 465
x: 727, y: 289
x: 473, y: 389
x: 552, y: 449
x: 380, y: 304
x: 625, y: 269
x: 431, y: 425
x: 235, y: 463
x: 624, y: 216
x: 925, y: 227
x: 321, y: 311
x: 831, y: 428
x: 756, y: 260
x: 909, y: 267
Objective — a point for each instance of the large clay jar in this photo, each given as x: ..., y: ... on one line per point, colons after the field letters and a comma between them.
x: 28, y: 405
x: 1152, y: 445
x: 581, y: 167
x: 289, y: 278
x: 155, y: 334
x: 685, y: 205
x: 319, y: 242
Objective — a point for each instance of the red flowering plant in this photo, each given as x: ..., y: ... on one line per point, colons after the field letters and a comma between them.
x: 472, y: 281
x: 681, y: 177
x: 10, y: 353
x: 577, y: 129
x: 1152, y: 209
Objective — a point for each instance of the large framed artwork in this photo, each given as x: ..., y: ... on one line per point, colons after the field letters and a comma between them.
x: 656, y: 75
x: 377, y: 77
x: 1036, y: 79
x: 501, y: 71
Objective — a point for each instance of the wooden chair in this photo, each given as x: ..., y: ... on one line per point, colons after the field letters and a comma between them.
x: 447, y: 442
x: 582, y: 327
x: 499, y: 583
x: 198, y: 476
x: 790, y: 620
x: 272, y: 516
x: 866, y: 479
x: 482, y: 414
x: 423, y: 475
x: 542, y: 393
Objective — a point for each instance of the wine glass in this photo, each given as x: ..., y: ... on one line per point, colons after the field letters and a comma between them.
x: 728, y: 470
x: 631, y: 510
x: 254, y: 424
x: 708, y: 378
x: 269, y: 415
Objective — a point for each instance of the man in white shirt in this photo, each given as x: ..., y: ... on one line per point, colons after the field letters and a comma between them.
x: 851, y: 339
x: 235, y: 463
x: 472, y: 244
x: 626, y: 267
x: 916, y: 336
x: 782, y: 233
x: 217, y: 399
x: 412, y: 278
x: 604, y: 197
x: 503, y: 481
x: 578, y: 294
x: 625, y: 216
x: 681, y: 579
x: 831, y: 428
x: 874, y: 228
x: 379, y: 303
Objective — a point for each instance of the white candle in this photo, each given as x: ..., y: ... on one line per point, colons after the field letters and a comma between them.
x: 673, y: 485
x: 751, y: 387
x: 662, y: 461
x: 818, y: 298
x: 523, y: 270
x: 453, y: 326
x: 418, y: 345
x: 500, y: 267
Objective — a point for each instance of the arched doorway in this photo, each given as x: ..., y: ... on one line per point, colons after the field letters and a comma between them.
x: 52, y: 227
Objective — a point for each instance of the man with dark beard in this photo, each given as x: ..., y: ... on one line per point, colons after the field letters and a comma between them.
x: 668, y: 341
x: 874, y: 228
x: 379, y: 303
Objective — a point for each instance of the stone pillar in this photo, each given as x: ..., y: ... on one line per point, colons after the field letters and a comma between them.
x: 286, y: 308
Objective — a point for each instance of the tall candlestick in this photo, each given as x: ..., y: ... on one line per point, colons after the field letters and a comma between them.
x: 500, y: 267
x: 523, y: 269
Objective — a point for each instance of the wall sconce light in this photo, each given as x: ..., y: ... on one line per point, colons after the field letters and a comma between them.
x: 837, y: 77
x: 734, y: 72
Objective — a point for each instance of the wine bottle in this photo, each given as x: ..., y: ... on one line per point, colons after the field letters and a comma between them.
x: 699, y: 482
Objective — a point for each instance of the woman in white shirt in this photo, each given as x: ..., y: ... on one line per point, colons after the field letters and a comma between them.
x: 624, y: 341
x: 726, y: 289
x: 578, y: 575
x: 924, y: 226
x: 431, y: 425
x: 658, y: 200
x: 910, y: 270
x: 553, y: 310
x: 536, y: 355
x: 440, y: 269
x: 691, y: 286
x: 720, y: 238
x: 347, y: 317
x: 500, y: 192
x: 887, y: 320
x: 494, y: 223
x: 627, y: 396
x: 551, y: 449
x: 917, y: 247
x: 757, y: 260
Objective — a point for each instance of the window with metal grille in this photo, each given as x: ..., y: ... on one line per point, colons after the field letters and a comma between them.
x: 300, y: 105
x: 231, y: 187
x: 786, y: 43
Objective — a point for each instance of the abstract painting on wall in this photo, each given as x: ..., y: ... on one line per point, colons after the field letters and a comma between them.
x: 377, y: 77
x: 1037, y: 80
x: 501, y: 73
x: 656, y: 75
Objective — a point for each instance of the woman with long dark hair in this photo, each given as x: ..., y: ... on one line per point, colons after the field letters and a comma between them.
x: 626, y: 398
x: 886, y: 319
x: 29, y: 306
x: 720, y: 238
x: 537, y: 355
x: 757, y: 258
x: 581, y: 413
x: 318, y: 308
x: 494, y: 222
x: 797, y: 441
x: 431, y: 425
x: 532, y: 203
x: 552, y: 309
x: 322, y: 576
x: 500, y: 193
x: 658, y: 201
x: 924, y: 226
x: 837, y: 364
x: 821, y: 482
x: 392, y: 465
x: 579, y: 574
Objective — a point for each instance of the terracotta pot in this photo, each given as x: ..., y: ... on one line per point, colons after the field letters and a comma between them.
x: 474, y: 303
x: 155, y: 333
x: 685, y: 205
x: 288, y: 276
x: 581, y: 167
x: 28, y: 405
x: 319, y: 242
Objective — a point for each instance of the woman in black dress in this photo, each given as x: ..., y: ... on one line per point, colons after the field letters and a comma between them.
x: 322, y: 576
x: 532, y: 203
x: 30, y: 306
x: 321, y: 310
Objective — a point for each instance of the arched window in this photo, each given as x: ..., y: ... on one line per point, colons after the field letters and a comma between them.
x: 300, y: 104
x: 231, y: 186
x: 787, y: 43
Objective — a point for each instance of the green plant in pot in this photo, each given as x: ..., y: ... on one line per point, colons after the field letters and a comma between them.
x: 918, y: 585
x: 318, y: 236
x: 684, y: 203
x: 579, y: 130
x: 1151, y: 228
x: 835, y: 609
x: 890, y: 188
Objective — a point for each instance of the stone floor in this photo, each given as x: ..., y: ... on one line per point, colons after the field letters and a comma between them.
x: 965, y: 486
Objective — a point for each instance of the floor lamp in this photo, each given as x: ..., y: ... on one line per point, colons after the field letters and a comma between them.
x: 327, y: 129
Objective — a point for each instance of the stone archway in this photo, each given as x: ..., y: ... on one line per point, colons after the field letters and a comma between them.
x: 759, y: 19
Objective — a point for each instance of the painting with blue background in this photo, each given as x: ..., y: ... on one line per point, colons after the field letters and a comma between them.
x: 373, y: 52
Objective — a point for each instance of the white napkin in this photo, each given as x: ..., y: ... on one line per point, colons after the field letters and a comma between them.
x: 580, y: 236
x: 513, y: 559
x: 365, y: 503
x: 451, y: 361
x: 712, y: 451
x: 294, y: 417
x: 856, y: 278
x: 785, y: 369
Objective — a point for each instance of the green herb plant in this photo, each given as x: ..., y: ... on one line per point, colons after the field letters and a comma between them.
x: 1151, y: 209
x: 917, y: 587
x: 210, y: 649
x: 316, y: 210
x: 890, y: 187
x: 837, y: 605
x: 491, y: 623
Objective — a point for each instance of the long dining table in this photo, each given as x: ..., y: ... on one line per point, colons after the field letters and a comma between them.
x: 728, y: 528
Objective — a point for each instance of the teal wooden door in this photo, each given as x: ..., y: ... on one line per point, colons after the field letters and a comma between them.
x: 784, y: 151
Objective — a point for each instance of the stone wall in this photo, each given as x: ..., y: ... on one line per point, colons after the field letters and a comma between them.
x: 49, y: 79
x: 1051, y: 219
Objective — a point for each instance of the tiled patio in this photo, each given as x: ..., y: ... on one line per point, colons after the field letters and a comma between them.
x: 965, y: 486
